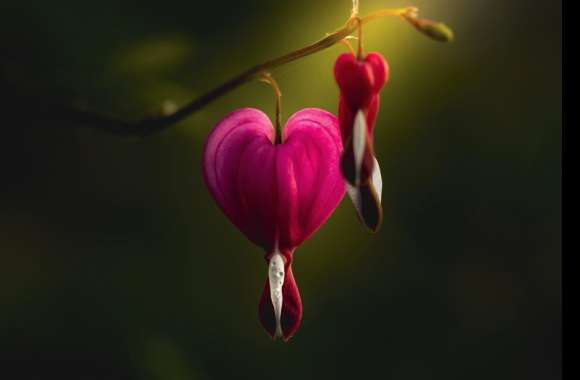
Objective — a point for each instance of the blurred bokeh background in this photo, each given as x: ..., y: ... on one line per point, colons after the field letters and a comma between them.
x: 115, y: 263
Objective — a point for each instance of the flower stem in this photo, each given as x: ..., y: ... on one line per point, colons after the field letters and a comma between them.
x: 359, y: 54
x: 278, y: 137
x: 345, y: 42
x: 354, y: 12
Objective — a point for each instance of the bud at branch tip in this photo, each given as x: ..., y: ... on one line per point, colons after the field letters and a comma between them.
x: 437, y: 31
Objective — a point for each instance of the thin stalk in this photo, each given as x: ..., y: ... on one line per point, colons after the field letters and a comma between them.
x: 345, y: 42
x: 278, y: 135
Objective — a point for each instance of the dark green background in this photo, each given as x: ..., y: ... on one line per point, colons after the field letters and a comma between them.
x: 115, y: 263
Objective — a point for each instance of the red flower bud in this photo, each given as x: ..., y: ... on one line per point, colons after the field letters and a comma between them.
x: 360, y: 82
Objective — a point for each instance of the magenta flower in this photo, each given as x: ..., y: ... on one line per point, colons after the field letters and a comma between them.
x: 278, y: 195
x: 360, y: 81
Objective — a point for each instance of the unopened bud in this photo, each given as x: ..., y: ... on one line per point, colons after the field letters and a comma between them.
x: 435, y: 30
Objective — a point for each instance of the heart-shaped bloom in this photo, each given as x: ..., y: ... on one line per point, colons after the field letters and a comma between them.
x: 278, y: 195
x: 360, y: 81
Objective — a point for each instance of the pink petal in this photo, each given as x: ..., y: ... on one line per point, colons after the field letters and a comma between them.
x: 272, y: 192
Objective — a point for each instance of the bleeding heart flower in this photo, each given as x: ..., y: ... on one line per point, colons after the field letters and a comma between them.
x: 277, y: 195
x: 360, y: 82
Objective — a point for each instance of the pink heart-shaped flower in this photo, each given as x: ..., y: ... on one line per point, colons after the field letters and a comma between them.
x: 277, y: 195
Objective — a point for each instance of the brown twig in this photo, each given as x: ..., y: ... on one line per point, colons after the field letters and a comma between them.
x: 155, y: 124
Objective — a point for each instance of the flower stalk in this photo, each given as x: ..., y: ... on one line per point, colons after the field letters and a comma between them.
x: 267, y: 77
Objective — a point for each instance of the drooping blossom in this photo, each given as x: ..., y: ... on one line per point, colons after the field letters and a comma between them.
x: 277, y: 195
x: 360, y: 82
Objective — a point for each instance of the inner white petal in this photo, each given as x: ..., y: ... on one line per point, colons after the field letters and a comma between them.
x: 354, y: 192
x: 359, y: 138
x: 377, y: 179
x: 276, y: 277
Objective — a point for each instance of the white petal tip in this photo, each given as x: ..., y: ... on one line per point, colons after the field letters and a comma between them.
x: 276, y: 277
x: 367, y: 199
x: 359, y: 138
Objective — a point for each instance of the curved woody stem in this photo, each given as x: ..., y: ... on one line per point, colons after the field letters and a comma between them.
x: 155, y: 124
